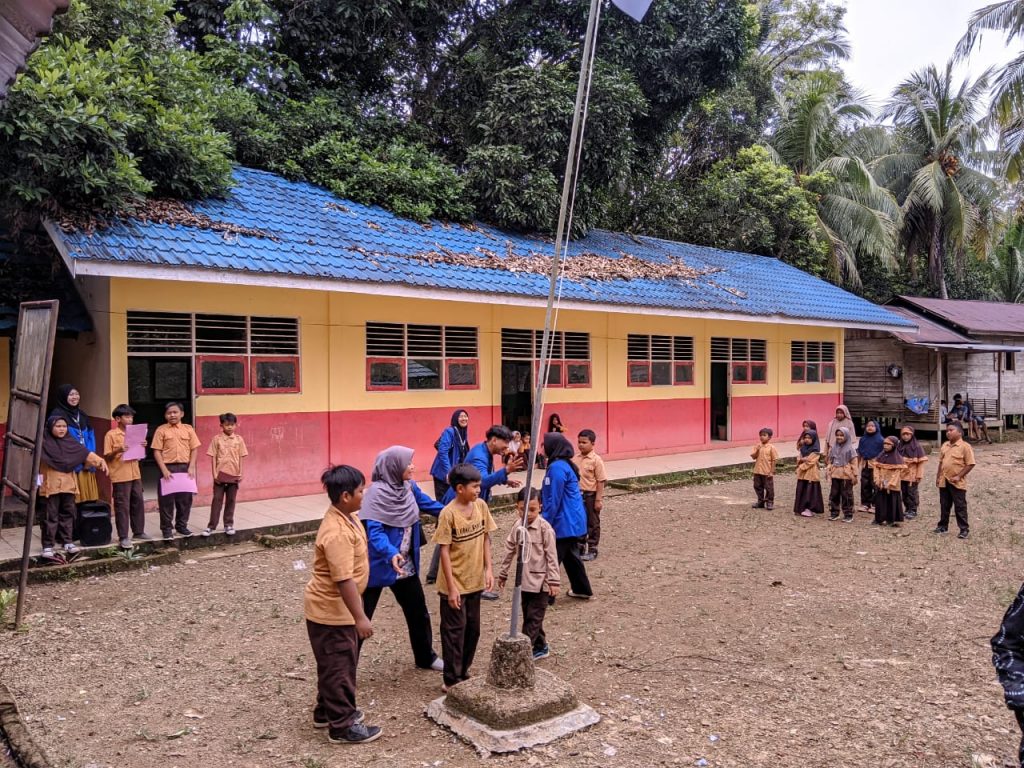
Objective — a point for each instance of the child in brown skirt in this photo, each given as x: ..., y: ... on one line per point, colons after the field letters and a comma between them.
x: 888, y: 469
x: 809, y: 501
x: 842, y: 470
x: 61, y: 455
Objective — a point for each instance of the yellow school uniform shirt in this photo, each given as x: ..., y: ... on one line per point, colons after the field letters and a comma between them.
x: 465, y: 535
x: 765, y: 457
x: 888, y: 476
x: 807, y: 468
x: 338, y: 555
x: 121, y: 471
x: 591, y: 469
x: 55, y: 482
x: 175, y: 443
x: 954, y: 459
x: 227, y: 452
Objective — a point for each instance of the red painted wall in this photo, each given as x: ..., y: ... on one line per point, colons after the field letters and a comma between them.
x: 793, y: 409
x: 656, y: 426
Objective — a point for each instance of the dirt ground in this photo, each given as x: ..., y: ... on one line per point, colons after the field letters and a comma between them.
x: 720, y: 633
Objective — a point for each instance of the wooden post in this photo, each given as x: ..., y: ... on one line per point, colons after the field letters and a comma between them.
x: 999, y: 391
x: 938, y: 410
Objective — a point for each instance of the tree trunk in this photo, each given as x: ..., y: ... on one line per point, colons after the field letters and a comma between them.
x: 936, y: 268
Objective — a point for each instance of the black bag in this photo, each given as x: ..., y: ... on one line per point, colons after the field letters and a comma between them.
x: 94, y: 528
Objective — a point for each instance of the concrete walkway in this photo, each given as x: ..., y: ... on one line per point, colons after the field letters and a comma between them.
x: 254, y: 515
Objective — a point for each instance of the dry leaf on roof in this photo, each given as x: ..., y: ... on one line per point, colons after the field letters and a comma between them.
x: 173, y: 212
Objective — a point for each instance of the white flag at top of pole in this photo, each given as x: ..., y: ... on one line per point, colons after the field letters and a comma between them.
x: 633, y: 8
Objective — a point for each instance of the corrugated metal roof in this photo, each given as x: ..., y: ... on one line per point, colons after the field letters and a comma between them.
x: 972, y: 317
x: 22, y: 23
x: 319, y: 236
x: 928, y: 333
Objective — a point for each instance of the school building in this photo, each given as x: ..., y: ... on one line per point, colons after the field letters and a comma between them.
x: 335, y: 329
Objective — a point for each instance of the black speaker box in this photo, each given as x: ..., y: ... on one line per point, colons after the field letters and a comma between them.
x: 94, y: 528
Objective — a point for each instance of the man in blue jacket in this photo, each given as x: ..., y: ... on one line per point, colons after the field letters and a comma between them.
x: 482, y: 456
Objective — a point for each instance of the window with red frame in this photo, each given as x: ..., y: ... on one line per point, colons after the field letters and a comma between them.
x: 568, y: 354
x: 659, y: 361
x: 409, y: 356
x: 812, y: 362
x: 234, y: 354
x: 748, y: 358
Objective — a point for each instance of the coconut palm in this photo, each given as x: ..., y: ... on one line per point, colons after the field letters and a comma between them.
x: 822, y: 136
x: 1007, y: 110
x: 935, y: 167
x: 1008, y: 266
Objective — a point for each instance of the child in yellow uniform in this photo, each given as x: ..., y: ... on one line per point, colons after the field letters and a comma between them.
x: 889, y: 469
x: 809, y: 501
x: 125, y: 481
x: 914, y: 458
x: 464, y: 532
x: 226, y: 452
x: 765, y: 456
x: 61, y: 454
x: 842, y: 470
x: 593, y: 480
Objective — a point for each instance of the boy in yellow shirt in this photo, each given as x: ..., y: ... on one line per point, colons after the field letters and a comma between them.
x: 464, y: 533
x: 765, y: 456
x: 126, y: 481
x: 333, y: 606
x: 592, y: 483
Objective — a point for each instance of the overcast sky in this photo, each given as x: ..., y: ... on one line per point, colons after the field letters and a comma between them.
x: 892, y: 38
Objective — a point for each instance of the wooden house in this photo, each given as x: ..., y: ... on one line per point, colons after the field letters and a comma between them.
x: 962, y: 347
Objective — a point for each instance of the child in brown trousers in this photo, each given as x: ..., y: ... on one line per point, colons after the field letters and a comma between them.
x: 125, y: 481
x: 592, y: 484
x: 765, y: 456
x: 842, y: 469
x: 226, y: 451
x: 540, y: 578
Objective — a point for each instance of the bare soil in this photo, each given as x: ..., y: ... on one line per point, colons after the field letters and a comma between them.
x: 741, y: 637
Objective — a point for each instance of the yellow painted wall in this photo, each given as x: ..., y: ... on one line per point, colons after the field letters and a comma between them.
x: 333, y: 361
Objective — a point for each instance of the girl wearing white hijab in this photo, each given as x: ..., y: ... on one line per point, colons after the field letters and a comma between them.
x: 391, y: 513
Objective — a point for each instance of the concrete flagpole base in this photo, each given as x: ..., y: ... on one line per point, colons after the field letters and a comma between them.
x: 515, y: 707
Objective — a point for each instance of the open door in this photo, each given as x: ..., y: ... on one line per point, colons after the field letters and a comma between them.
x: 152, y: 383
x: 516, y: 394
x: 720, y: 401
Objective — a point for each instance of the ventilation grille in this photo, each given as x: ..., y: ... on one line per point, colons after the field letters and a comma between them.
x: 274, y: 336
x: 159, y: 333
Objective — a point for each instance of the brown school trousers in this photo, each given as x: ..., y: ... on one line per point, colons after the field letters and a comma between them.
x: 460, y: 633
x: 593, y: 537
x: 764, y: 487
x: 179, y: 504
x: 60, y: 519
x: 841, y: 495
x: 535, y: 605
x: 223, y: 494
x: 336, y: 650
x: 129, y: 508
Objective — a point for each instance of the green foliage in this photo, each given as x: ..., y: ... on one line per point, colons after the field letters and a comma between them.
x: 1007, y: 264
x: 752, y: 204
x: 104, y: 120
x: 517, y: 160
x: 8, y: 597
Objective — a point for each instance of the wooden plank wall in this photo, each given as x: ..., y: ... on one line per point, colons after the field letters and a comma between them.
x: 868, y: 390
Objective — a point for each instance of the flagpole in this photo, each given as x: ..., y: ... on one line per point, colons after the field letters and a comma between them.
x: 572, y: 164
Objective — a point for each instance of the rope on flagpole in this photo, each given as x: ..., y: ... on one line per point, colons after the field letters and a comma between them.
x: 572, y: 166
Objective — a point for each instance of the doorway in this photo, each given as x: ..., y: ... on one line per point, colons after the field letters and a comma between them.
x: 152, y: 383
x: 719, y: 401
x: 516, y: 394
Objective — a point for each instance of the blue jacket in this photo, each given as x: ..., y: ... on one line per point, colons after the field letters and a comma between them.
x: 562, y: 501
x: 383, y: 542
x: 448, y: 454
x: 482, y: 459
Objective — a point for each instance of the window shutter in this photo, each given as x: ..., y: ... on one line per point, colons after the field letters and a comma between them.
x: 516, y: 344
x: 828, y: 352
x: 682, y: 348
x: 460, y: 342
x: 159, y: 333
x: 273, y: 336
x: 638, y: 347
x: 758, y: 350
x: 423, y: 340
x: 661, y: 347
x: 385, y: 340
x: 577, y: 345
x: 797, y: 351
x: 720, y: 350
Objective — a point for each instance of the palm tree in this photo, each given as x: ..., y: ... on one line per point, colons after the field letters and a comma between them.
x: 822, y: 137
x: 1007, y: 110
x: 1008, y: 266
x: 934, y: 167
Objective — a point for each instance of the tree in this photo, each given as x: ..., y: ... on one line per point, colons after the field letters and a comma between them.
x: 752, y: 204
x: 111, y: 111
x: 934, y: 165
x: 821, y: 135
x: 1007, y: 107
x: 1008, y: 266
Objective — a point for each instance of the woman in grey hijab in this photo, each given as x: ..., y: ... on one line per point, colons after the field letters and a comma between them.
x: 391, y: 513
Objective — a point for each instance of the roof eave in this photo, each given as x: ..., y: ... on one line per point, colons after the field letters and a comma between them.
x: 81, y: 267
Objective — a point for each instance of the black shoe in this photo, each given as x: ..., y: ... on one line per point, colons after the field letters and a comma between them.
x: 591, y: 555
x: 318, y: 722
x: 769, y: 506
x: 354, y: 734
x: 909, y: 515
x: 485, y: 595
x: 168, y: 535
x: 940, y: 529
x: 962, y: 535
x: 833, y: 517
x: 757, y: 505
x: 184, y: 532
x: 431, y: 579
x: 848, y: 519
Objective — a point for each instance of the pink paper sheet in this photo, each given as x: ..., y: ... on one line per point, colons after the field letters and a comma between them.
x: 180, y: 482
x: 134, y: 437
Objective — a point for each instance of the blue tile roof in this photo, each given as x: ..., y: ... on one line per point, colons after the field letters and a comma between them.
x: 318, y: 235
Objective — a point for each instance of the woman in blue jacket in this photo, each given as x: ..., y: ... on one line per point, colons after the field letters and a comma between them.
x: 391, y: 514
x: 562, y: 506
x: 452, y: 447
